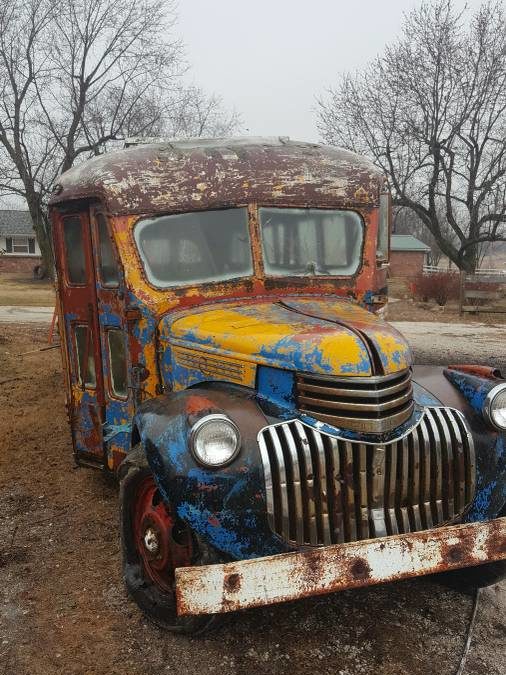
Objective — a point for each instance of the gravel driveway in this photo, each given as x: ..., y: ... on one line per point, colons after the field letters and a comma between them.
x: 446, y: 343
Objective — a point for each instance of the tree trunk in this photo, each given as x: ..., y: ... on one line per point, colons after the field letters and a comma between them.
x: 41, y: 226
x: 469, y: 259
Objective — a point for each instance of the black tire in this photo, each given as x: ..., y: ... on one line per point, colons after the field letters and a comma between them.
x: 479, y: 576
x: 156, y: 603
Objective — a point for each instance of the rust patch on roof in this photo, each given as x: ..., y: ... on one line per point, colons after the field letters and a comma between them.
x: 201, y: 174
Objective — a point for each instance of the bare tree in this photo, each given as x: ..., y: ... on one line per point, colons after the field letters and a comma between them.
x: 406, y: 221
x: 195, y: 114
x: 431, y: 111
x: 78, y: 75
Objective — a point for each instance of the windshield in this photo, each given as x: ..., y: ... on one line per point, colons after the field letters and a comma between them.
x: 310, y: 241
x: 193, y: 248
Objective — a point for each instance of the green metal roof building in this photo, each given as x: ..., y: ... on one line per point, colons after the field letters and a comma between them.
x: 407, y: 242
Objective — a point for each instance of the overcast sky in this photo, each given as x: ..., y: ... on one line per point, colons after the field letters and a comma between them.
x: 269, y: 58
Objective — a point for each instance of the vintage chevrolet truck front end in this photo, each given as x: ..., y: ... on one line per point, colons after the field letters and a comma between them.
x: 310, y: 468
x: 273, y: 437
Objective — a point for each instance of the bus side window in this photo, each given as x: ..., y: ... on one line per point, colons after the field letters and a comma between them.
x: 109, y: 273
x: 74, y: 250
x: 84, y: 347
x: 117, y: 361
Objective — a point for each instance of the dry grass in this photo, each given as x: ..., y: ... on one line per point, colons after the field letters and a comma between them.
x: 21, y: 289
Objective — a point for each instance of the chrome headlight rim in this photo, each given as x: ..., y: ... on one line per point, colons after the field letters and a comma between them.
x: 202, y: 422
x: 488, y: 406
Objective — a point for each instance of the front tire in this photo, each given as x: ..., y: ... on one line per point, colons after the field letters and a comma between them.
x: 154, y: 542
x: 479, y: 576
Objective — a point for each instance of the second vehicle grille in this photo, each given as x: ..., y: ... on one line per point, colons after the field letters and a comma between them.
x: 367, y: 404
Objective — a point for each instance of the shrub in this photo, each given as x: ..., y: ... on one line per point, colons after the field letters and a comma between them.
x: 439, y: 286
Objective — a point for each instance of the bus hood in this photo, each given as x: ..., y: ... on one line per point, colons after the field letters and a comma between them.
x: 326, y: 336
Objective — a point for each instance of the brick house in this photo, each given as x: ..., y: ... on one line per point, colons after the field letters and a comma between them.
x: 19, y: 250
x: 407, y: 255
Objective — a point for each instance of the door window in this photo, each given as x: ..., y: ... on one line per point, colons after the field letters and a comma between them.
x: 74, y: 250
x: 117, y: 361
x: 108, y: 265
x: 84, y: 350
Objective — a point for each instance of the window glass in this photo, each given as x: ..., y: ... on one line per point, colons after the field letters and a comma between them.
x: 117, y: 360
x: 23, y: 245
x: 383, y: 227
x: 109, y: 273
x: 84, y: 346
x: 310, y: 242
x: 192, y: 248
x: 74, y: 249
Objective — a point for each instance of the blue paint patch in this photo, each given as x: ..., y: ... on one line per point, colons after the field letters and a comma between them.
x: 222, y: 529
x: 474, y: 389
x: 277, y: 386
x: 481, y: 503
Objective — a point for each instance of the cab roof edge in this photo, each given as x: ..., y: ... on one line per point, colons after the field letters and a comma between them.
x: 183, y: 143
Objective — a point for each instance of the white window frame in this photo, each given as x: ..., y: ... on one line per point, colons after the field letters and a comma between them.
x: 20, y: 244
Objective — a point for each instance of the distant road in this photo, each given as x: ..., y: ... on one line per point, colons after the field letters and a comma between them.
x: 436, y: 343
x: 10, y: 314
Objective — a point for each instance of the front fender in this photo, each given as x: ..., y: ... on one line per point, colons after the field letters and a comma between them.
x: 225, y: 506
x: 466, y: 392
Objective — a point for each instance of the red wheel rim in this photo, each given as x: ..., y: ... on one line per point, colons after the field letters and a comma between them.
x: 154, y: 527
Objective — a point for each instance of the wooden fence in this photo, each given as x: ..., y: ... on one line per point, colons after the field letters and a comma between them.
x: 484, y: 291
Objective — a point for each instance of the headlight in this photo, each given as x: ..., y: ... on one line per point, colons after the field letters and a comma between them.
x: 215, y: 440
x: 494, y: 408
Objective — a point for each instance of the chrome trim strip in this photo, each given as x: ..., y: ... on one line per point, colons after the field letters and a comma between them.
x: 354, y: 393
x: 377, y: 406
x: 363, y: 424
x: 377, y: 379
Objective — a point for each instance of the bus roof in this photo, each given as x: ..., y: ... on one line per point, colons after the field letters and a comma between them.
x: 169, y: 176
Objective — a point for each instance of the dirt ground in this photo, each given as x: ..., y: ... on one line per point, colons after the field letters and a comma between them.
x: 23, y: 289
x: 412, y: 310
x: 63, y: 607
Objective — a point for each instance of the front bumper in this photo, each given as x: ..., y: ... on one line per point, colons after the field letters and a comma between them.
x: 211, y: 589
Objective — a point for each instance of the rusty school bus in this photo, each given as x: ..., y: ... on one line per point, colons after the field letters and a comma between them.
x: 224, y: 355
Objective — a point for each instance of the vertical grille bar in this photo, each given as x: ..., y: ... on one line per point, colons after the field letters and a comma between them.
x: 330, y: 488
x: 350, y: 492
x: 278, y: 453
x: 323, y: 516
x: 337, y: 486
x: 321, y: 489
x: 364, y: 497
x: 459, y: 469
x: 425, y: 477
x: 269, y: 487
x: 469, y: 460
x: 390, y: 489
x: 343, y: 464
x: 376, y: 491
x: 296, y: 509
x: 415, y: 486
x: 404, y: 453
x: 447, y: 463
x: 309, y: 481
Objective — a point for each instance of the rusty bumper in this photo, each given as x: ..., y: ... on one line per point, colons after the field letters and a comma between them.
x: 212, y: 589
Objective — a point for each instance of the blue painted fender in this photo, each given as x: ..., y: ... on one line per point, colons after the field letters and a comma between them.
x: 224, y: 506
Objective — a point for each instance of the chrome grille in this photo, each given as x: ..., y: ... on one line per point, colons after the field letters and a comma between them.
x: 322, y: 489
x: 367, y: 404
